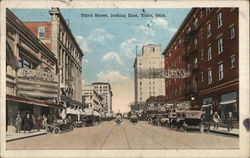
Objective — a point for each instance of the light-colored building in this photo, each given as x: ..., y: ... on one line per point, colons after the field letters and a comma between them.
x: 149, y: 78
x: 104, y: 89
x: 57, y: 36
x: 92, y: 99
x: 31, y: 77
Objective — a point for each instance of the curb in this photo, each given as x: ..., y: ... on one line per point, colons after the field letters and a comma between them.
x: 224, y: 133
x: 28, y: 136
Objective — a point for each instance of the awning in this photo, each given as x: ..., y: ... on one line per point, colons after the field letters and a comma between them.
x: 33, y: 101
x: 71, y: 101
x: 228, y: 102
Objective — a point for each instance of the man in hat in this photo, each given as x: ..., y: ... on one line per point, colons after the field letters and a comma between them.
x: 230, y: 121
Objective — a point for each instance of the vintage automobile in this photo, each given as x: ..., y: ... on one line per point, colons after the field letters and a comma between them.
x: 176, y: 119
x: 58, y: 127
x: 118, y: 119
x: 165, y: 120
x: 75, y: 121
x: 194, y: 120
x: 134, y: 119
x: 90, y: 120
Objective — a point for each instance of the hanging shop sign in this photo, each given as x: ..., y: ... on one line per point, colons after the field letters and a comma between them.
x: 37, y: 74
x: 176, y: 73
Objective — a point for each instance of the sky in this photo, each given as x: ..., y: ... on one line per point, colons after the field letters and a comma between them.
x: 109, y: 43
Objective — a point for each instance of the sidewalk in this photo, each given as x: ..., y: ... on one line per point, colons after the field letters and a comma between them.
x: 22, y: 135
x: 222, y: 130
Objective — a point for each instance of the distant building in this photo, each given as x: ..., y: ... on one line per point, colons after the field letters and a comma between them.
x: 92, y: 99
x: 149, y: 79
x: 104, y: 89
x: 31, y: 77
x: 207, y: 45
x: 57, y: 36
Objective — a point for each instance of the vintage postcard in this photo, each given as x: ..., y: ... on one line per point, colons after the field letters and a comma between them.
x: 124, y: 78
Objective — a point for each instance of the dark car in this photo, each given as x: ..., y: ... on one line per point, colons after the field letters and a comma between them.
x: 90, y: 120
x: 57, y: 128
x: 133, y: 119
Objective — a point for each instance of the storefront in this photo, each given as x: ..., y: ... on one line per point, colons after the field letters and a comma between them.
x: 228, y: 103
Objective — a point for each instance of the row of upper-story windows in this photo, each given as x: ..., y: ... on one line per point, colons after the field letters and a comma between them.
x: 71, y: 48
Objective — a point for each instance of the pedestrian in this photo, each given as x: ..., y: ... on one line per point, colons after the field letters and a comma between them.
x: 38, y: 122
x: 216, y: 119
x: 230, y: 121
x: 18, y: 123
x: 27, y: 123
x: 44, y: 121
x: 33, y: 121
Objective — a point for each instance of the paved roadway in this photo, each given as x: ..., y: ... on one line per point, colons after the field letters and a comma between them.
x: 107, y: 135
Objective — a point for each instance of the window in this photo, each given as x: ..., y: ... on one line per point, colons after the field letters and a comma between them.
x: 209, y: 53
x: 41, y: 32
x: 221, y: 71
x: 202, y: 54
x: 196, y: 63
x: 232, y: 61
x: 209, y: 30
x: 24, y: 63
x: 202, y: 77
x: 232, y: 32
x: 220, y: 45
x: 219, y: 19
x: 209, y: 76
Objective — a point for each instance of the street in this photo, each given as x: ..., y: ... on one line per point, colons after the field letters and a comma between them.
x: 107, y: 135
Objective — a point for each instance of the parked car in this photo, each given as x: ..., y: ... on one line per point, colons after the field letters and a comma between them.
x: 90, y: 120
x: 176, y: 119
x: 194, y: 119
x: 58, y: 127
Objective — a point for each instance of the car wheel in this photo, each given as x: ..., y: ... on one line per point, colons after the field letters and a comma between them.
x: 56, y: 131
x: 71, y: 127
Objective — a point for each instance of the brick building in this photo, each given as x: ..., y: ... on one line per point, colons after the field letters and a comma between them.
x: 206, y: 44
x: 57, y: 36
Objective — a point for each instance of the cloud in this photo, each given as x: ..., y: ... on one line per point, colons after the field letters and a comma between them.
x: 112, y: 56
x: 85, y: 60
x: 160, y: 22
x: 83, y: 44
x: 146, y: 30
x: 111, y: 76
x: 99, y: 35
x: 173, y: 30
x: 128, y: 47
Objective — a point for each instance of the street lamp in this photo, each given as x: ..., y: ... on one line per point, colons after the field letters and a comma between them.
x: 192, y: 98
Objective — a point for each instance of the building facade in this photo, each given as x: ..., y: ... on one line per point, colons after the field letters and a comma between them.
x: 206, y: 44
x: 31, y: 77
x: 92, y: 99
x: 57, y: 36
x: 149, y: 79
x: 104, y: 89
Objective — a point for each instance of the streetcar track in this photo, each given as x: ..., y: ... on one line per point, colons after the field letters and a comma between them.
x: 107, y: 137
x: 150, y: 137
x: 169, y: 137
x: 126, y: 137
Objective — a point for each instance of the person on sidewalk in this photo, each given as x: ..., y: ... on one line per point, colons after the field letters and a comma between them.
x: 44, y: 121
x: 230, y: 121
x: 27, y: 123
x: 18, y: 123
x: 39, y: 122
x: 216, y: 119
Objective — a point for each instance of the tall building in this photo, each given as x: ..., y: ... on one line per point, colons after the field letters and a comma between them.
x: 149, y: 79
x: 206, y: 44
x: 91, y: 98
x: 104, y: 89
x: 31, y: 77
x: 57, y: 36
